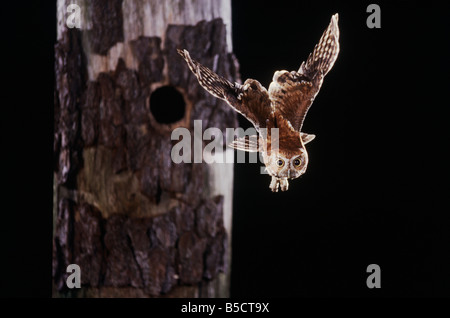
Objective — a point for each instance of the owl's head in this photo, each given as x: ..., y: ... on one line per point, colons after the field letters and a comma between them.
x: 284, y: 166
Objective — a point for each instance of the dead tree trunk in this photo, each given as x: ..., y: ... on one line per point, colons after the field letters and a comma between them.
x: 136, y: 223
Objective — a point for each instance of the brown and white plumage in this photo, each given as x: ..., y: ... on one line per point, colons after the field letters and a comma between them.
x: 283, y: 106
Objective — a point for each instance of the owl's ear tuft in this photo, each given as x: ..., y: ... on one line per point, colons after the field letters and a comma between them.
x: 307, y: 137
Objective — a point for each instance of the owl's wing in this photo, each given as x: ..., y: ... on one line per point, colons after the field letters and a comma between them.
x: 293, y: 92
x: 251, y: 99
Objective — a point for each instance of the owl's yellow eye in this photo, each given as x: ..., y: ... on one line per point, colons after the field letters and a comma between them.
x: 280, y: 162
x: 297, y: 162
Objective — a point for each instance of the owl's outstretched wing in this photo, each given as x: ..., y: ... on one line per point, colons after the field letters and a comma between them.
x: 250, y: 99
x: 293, y: 92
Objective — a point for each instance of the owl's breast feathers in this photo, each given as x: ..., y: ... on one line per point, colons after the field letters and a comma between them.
x: 291, y: 95
x: 288, y: 142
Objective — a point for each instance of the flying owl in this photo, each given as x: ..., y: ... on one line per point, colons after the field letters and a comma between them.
x: 283, y: 106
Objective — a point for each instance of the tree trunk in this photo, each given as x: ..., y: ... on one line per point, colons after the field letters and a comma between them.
x: 138, y: 224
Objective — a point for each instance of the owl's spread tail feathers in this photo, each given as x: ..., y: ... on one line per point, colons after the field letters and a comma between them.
x: 246, y: 143
x: 325, y: 53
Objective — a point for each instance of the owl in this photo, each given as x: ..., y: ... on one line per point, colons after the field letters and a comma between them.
x: 283, y: 106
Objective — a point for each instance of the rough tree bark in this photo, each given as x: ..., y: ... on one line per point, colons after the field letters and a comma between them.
x: 137, y: 224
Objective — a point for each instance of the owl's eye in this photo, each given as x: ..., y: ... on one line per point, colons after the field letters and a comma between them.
x: 280, y: 162
x: 297, y: 162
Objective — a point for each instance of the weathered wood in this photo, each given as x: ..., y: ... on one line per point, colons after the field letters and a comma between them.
x: 136, y: 223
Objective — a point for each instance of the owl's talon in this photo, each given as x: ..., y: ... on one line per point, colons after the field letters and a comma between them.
x: 274, y: 184
x: 284, y: 184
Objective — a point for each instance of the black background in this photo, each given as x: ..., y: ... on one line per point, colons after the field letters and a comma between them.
x: 372, y: 193
x: 375, y: 190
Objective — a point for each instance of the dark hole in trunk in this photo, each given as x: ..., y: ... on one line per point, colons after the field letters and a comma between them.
x: 167, y: 105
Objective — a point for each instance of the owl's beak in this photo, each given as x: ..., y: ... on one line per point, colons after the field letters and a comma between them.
x: 289, y: 173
